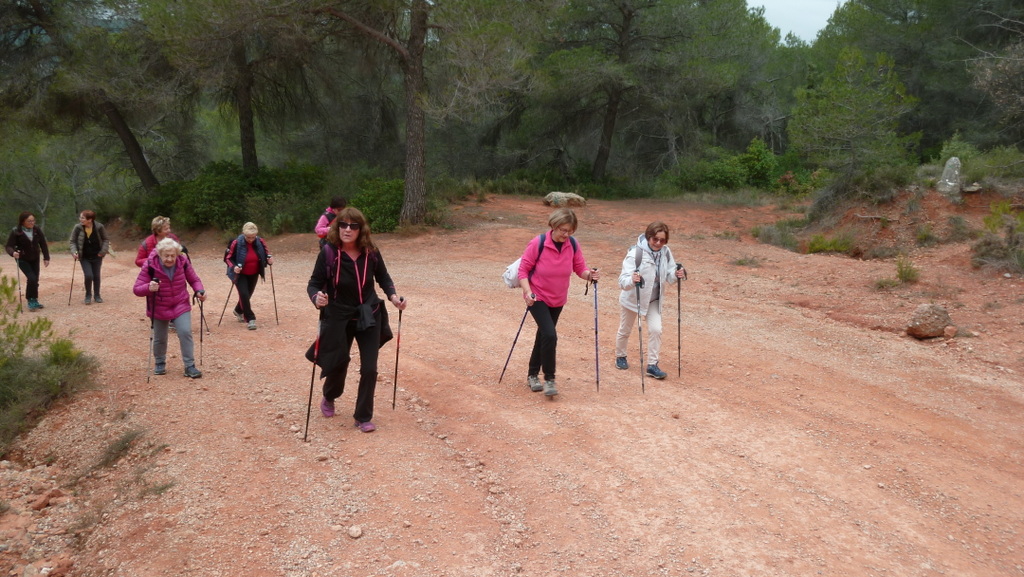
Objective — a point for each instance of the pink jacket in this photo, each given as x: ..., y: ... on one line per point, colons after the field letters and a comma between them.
x: 172, y: 300
x: 551, y: 274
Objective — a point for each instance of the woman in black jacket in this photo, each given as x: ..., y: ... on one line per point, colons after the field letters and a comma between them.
x: 341, y: 286
x: 89, y: 244
x: 25, y: 243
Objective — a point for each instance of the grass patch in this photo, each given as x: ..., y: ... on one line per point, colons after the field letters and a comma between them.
x: 887, y: 283
x: 781, y: 234
x: 728, y: 235
x: 906, y: 272
x: 750, y: 261
x: 841, y: 243
x: 118, y: 448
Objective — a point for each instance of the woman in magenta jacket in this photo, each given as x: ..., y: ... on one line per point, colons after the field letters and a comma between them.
x: 164, y: 281
x: 544, y: 274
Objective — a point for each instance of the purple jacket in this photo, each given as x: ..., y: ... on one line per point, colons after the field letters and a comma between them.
x: 172, y: 300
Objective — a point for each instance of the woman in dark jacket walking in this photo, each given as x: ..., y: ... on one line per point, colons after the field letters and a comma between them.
x: 89, y: 244
x: 25, y: 243
x: 247, y: 258
x: 341, y: 287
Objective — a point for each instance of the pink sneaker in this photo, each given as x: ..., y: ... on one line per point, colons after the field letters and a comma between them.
x: 327, y: 407
x: 366, y: 427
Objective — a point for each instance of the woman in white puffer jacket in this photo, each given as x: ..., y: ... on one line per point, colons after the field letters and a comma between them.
x: 654, y: 269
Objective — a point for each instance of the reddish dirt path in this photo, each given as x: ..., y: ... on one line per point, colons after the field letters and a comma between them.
x: 806, y: 436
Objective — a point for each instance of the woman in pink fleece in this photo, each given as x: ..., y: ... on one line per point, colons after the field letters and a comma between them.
x: 544, y: 274
x: 164, y: 281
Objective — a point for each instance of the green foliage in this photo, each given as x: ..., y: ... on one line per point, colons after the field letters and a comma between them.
x: 887, y: 283
x: 225, y: 196
x: 959, y: 229
x: 781, y: 234
x: 1003, y: 216
x: 849, y: 124
x: 841, y: 243
x: 380, y: 201
x: 1004, y: 252
x: 1000, y: 162
x: 925, y: 236
x: 906, y: 272
x: 960, y: 148
x: 35, y: 367
x: 118, y: 448
x: 760, y: 164
x: 747, y: 260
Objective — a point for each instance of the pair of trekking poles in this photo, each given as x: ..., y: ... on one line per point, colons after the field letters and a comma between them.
x: 640, y: 336
x: 316, y: 357
x: 234, y: 282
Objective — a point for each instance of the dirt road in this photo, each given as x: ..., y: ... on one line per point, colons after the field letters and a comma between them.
x: 806, y: 436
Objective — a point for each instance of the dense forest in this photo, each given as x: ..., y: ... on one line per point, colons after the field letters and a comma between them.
x: 220, y: 111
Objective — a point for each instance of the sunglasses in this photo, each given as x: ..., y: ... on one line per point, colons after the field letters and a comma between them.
x: 352, y: 225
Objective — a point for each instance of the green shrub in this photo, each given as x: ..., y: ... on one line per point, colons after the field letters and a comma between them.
x: 726, y: 173
x: 959, y: 229
x: 380, y: 201
x: 842, y: 243
x: 780, y: 234
x: 35, y: 368
x: 1004, y: 252
x: 925, y: 236
x: 761, y: 165
x: 960, y: 148
x: 906, y: 272
x: 886, y: 283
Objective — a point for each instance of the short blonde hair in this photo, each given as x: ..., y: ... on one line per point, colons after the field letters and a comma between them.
x: 563, y: 216
x: 249, y: 228
x: 166, y: 245
x: 159, y: 223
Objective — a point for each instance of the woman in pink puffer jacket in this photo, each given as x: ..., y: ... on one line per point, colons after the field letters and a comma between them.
x: 164, y: 281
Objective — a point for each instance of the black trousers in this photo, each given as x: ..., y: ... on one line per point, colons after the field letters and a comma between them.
x: 91, y: 272
x: 369, y: 345
x: 31, y: 271
x: 246, y: 285
x: 546, y: 342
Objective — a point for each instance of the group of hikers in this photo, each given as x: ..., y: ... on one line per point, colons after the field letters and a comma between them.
x: 340, y: 287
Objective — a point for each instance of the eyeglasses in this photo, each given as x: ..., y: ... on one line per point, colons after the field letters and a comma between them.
x: 659, y: 240
x: 352, y: 225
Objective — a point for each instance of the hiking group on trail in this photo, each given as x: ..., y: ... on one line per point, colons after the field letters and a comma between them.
x: 341, y: 288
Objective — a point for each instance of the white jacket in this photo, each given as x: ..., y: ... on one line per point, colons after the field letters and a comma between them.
x: 660, y: 264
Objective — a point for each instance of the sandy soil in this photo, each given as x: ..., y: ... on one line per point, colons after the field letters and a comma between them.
x: 806, y: 435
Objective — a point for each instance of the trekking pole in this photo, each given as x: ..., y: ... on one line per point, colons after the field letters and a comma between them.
x: 273, y: 291
x: 640, y: 334
x: 679, y: 322
x: 150, y: 308
x: 72, y: 289
x: 233, y: 281
x: 309, y: 405
x: 398, y: 347
x: 17, y: 273
x: 514, y: 342
x: 597, y: 364
x: 202, y: 319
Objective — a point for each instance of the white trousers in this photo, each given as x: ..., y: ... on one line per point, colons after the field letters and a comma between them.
x: 628, y: 326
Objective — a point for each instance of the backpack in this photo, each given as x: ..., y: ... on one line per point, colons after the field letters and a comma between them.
x: 511, y: 274
x: 330, y: 215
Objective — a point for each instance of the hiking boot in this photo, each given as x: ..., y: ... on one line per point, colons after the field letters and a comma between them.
x: 192, y: 372
x: 239, y: 316
x: 366, y: 426
x: 98, y: 300
x: 33, y: 305
x: 327, y: 407
x: 534, y: 383
x: 654, y: 371
x: 621, y: 364
x: 88, y: 300
x: 549, y: 388
x: 252, y: 325
x: 160, y: 370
